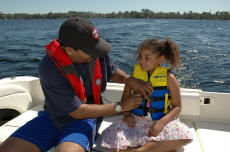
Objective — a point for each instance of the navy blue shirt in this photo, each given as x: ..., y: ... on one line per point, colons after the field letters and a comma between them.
x: 60, y: 98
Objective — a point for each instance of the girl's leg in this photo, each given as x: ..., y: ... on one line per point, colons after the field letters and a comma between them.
x: 162, y: 146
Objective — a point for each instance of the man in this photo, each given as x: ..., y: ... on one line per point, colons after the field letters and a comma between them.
x: 73, y: 74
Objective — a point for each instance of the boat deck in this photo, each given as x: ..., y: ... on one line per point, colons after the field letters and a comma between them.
x: 208, y: 136
x: 206, y: 113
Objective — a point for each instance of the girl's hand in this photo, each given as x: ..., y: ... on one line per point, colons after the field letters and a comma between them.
x: 129, y: 120
x: 156, y: 128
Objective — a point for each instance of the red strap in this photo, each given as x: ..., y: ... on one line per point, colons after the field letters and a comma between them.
x: 60, y: 58
x: 97, y: 81
x: 77, y: 86
x: 55, y: 48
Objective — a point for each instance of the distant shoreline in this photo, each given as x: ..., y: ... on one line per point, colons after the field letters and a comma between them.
x: 144, y: 13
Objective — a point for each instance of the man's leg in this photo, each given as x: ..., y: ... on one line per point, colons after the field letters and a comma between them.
x: 77, y: 136
x: 69, y: 147
x: 37, y: 135
x: 13, y: 144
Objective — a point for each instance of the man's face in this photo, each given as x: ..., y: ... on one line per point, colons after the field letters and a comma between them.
x: 78, y: 56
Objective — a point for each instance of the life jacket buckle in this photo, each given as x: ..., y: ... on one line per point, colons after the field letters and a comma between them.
x: 98, y: 81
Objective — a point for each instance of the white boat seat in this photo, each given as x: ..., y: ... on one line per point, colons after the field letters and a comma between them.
x: 15, y: 97
x: 213, y: 137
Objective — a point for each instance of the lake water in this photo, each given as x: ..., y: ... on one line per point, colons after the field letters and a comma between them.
x: 204, y: 45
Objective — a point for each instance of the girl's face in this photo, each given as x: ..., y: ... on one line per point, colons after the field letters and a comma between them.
x: 149, y: 60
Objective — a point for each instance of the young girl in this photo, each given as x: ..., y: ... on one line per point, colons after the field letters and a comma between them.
x: 154, y: 125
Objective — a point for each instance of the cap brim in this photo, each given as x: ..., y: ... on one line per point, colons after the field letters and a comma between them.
x: 100, y: 49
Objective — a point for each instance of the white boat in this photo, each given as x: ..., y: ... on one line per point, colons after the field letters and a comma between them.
x: 206, y: 113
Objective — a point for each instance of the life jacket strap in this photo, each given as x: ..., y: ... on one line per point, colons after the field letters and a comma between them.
x: 160, y: 88
x: 153, y: 99
x: 157, y: 110
x: 145, y: 110
x: 144, y: 107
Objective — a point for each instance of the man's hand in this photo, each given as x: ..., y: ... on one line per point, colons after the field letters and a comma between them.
x: 139, y: 86
x: 131, y: 102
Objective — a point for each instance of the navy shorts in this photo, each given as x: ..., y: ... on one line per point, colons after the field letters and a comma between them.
x: 42, y: 132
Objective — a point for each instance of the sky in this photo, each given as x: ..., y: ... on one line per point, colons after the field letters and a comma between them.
x: 107, y: 6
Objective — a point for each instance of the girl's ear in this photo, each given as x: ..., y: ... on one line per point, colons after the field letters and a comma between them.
x: 162, y: 59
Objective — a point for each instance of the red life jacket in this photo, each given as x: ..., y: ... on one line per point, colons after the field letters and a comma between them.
x: 63, y: 62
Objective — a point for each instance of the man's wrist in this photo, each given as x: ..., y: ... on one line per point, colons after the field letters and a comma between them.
x: 126, y: 79
x: 118, y: 107
x: 126, y: 113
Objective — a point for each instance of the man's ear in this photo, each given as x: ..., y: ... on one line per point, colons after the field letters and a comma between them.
x: 69, y: 51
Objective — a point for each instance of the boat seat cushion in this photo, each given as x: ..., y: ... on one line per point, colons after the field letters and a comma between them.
x: 15, y: 97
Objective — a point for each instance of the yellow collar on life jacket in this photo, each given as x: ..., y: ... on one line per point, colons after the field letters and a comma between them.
x: 158, y: 78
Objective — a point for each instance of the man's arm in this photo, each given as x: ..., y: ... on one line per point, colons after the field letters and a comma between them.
x: 94, y: 111
x: 119, y: 76
x: 137, y: 85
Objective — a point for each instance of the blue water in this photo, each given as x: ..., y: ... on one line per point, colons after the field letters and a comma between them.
x: 204, y: 45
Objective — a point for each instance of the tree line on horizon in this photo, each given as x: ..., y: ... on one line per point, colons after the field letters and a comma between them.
x: 144, y: 13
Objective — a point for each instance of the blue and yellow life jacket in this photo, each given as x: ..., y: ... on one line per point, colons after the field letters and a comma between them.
x: 160, y: 99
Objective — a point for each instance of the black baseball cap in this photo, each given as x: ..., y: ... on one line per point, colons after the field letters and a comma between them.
x: 79, y: 33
